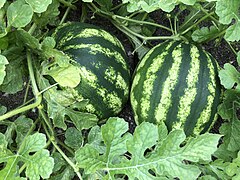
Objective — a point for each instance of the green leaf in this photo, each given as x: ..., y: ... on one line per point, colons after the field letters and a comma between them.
x: 232, y: 33
x: 38, y: 6
x: 231, y: 135
x: 60, y: 105
x: 48, y: 42
x: 15, y: 70
x: 2, y: 2
x: 227, y: 110
x: 227, y: 10
x: 95, y: 139
x: 4, y: 42
x: 19, y: 14
x: 205, y: 33
x: 73, y: 138
x: 27, y: 40
x: 3, y: 63
x: 166, y: 159
x: 66, y: 76
x: 229, y: 76
x: 3, y: 110
x: 61, y: 69
x: 22, y: 126
x: 38, y: 163
x: 150, y: 6
x: 50, y: 16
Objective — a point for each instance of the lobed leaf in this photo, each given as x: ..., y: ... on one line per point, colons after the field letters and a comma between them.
x: 228, y: 10
x: 148, y: 156
x: 61, y: 104
x: 229, y: 76
x: 205, y: 33
x: 38, y: 164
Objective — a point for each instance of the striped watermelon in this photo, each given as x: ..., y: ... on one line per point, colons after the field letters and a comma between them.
x: 176, y: 83
x: 105, y: 74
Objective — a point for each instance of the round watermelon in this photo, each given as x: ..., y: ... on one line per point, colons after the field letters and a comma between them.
x: 177, y: 83
x: 105, y: 74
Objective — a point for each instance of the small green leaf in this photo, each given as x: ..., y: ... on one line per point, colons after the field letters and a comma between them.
x: 73, y: 137
x: 203, y: 34
x: 3, y: 63
x: 27, y: 39
x: 39, y: 164
x: 22, y: 126
x: 19, y: 14
x: 229, y: 76
x: 48, y: 42
x: 4, y: 42
x: 50, y: 16
x: 38, y: 6
x: 3, y: 110
x: 62, y: 170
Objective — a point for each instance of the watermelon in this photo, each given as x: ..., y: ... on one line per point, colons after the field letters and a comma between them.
x: 176, y: 83
x: 105, y: 74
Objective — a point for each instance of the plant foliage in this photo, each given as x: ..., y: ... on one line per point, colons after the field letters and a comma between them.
x: 49, y: 135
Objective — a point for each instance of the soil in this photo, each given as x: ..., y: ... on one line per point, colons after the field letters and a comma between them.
x: 222, y: 53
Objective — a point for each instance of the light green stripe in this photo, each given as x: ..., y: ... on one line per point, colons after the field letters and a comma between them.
x: 190, y: 92
x: 133, y: 100
x: 110, y: 99
x: 206, y: 113
x: 150, y: 78
x: 96, y: 48
x: 89, y: 32
x: 115, y: 78
x: 169, y: 85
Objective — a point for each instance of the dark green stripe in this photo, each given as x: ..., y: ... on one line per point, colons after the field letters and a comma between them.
x: 200, y: 101
x: 217, y: 96
x: 94, y: 40
x: 85, y: 59
x: 89, y: 93
x: 162, y: 75
x: 180, y: 86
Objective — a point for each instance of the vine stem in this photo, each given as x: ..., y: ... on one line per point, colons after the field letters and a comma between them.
x: 114, y: 17
x: 38, y: 97
x: 70, y: 6
x: 192, y: 26
x: 53, y: 141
